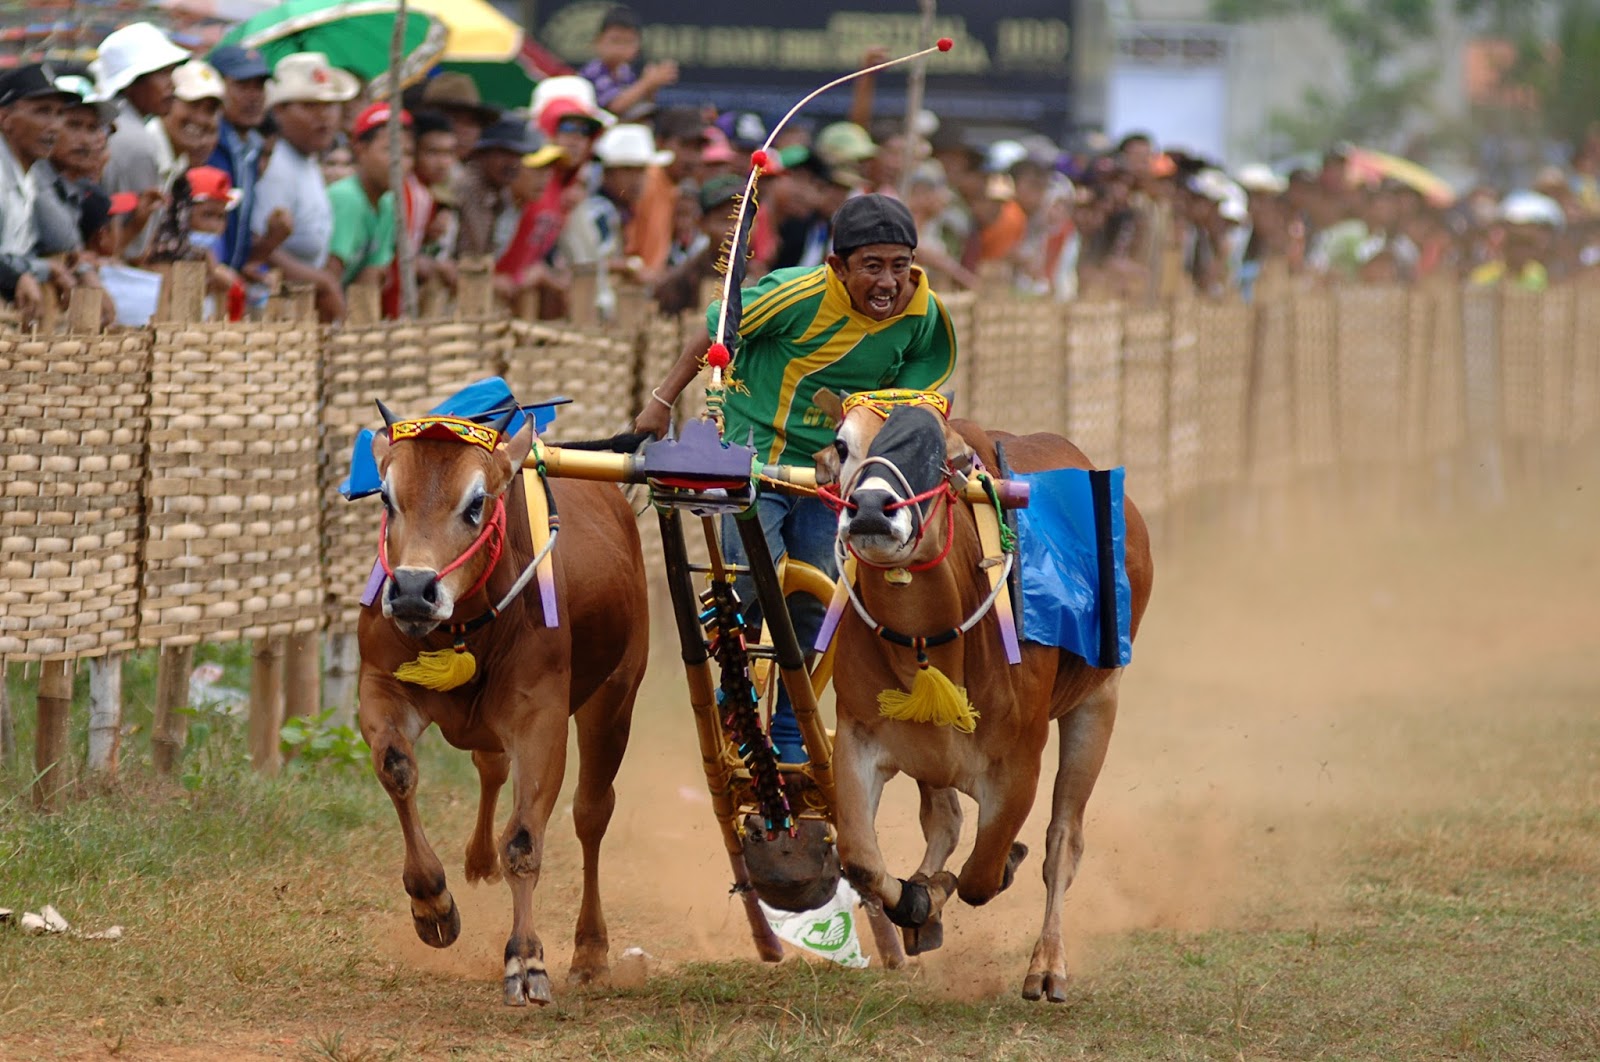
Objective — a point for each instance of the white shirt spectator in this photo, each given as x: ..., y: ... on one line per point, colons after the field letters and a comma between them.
x: 135, y: 164
x: 294, y: 182
x: 18, y: 233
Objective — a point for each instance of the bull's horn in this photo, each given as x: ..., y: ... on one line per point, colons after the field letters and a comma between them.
x: 388, y: 416
x: 504, y: 422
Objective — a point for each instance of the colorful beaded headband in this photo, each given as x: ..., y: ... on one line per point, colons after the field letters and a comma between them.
x: 444, y: 428
x: 884, y: 402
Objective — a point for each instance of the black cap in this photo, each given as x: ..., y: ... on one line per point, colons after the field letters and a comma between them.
x: 30, y: 82
x: 720, y: 190
x: 510, y: 133
x: 869, y: 219
x: 239, y: 64
x: 93, y: 214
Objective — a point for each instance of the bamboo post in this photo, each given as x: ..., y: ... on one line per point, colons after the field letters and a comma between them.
x: 105, y: 713
x: 187, y: 282
x: 915, y: 82
x: 340, y: 675
x: 404, y: 254
x: 50, y: 739
x: 266, y: 704
x: 170, y: 727
x: 8, y: 729
x: 474, y: 289
x: 302, y: 675
x: 363, y: 304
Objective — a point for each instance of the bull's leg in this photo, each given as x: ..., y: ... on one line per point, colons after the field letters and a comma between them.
x: 1004, y: 799
x: 860, y: 774
x: 391, y: 730
x: 1085, y: 734
x: 538, y: 757
x: 483, y: 863
x: 939, y: 812
x: 602, y: 738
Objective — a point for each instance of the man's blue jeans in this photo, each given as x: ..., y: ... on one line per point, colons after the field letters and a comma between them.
x: 802, y: 528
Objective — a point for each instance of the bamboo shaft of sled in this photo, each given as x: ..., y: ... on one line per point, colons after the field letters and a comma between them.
x: 791, y: 659
x: 629, y: 468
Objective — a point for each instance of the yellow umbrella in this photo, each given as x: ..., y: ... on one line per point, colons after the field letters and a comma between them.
x: 1366, y: 166
x: 477, y: 32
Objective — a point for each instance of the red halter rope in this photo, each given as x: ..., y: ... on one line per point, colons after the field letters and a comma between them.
x: 830, y: 496
x: 493, y: 534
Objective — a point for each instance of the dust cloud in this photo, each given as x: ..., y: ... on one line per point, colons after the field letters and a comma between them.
x: 1278, y: 693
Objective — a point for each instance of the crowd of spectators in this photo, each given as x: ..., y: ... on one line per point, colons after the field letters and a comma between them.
x: 150, y: 155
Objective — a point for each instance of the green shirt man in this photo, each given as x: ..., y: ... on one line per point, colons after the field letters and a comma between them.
x: 363, y: 235
x: 800, y: 333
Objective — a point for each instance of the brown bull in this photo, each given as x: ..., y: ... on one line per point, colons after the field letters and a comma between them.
x: 443, y: 495
x: 920, y: 575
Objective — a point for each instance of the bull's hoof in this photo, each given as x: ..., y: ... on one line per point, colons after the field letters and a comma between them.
x: 927, y: 937
x: 589, y: 964
x: 435, y: 930
x: 526, y: 981
x: 1014, y: 858
x: 483, y: 864
x: 914, y: 907
x: 1049, y: 986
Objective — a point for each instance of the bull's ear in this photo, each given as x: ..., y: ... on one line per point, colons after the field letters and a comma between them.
x: 380, y: 448
x: 958, y: 455
x: 827, y: 460
x: 516, y: 447
x: 831, y: 405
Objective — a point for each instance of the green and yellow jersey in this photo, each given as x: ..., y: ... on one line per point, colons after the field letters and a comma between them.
x: 799, y: 334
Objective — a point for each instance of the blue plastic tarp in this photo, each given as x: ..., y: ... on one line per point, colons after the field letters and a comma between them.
x: 1074, y: 565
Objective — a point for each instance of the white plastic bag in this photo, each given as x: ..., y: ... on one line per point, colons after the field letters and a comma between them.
x: 829, y: 931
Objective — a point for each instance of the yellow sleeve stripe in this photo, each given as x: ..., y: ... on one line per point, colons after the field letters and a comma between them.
x: 779, y: 299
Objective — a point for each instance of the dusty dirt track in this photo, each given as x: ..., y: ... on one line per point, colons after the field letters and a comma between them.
x: 1276, y: 691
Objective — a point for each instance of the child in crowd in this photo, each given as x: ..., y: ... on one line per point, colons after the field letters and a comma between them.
x: 618, y: 87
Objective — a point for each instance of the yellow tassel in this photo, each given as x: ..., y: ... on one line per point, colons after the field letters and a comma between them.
x: 933, y: 699
x: 441, y: 669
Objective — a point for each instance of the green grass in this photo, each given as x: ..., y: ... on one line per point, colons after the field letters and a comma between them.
x: 1470, y: 932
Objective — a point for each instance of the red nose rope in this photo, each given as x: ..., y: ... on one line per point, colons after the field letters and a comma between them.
x: 943, y: 492
x: 493, y: 534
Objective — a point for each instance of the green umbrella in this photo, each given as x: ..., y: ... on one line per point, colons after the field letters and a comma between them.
x: 353, y: 34
x: 508, y: 84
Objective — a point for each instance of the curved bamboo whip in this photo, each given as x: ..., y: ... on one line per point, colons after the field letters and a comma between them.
x: 720, y: 354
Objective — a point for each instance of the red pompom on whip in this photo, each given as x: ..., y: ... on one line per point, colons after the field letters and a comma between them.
x: 758, y: 159
x: 945, y: 44
x: 718, y: 357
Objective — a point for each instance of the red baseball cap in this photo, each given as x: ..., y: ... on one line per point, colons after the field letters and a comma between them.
x: 375, y: 115
x: 564, y: 107
x: 209, y: 184
x: 124, y: 203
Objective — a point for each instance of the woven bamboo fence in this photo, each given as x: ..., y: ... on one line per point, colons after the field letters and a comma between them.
x: 178, y: 483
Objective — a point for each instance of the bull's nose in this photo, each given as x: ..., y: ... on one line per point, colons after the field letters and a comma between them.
x: 869, y: 517
x: 414, y: 589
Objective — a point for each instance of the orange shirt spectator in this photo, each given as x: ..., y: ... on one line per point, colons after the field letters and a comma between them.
x: 1001, y: 236
x: 648, y: 234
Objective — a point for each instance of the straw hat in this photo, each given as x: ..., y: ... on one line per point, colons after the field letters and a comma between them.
x: 307, y: 77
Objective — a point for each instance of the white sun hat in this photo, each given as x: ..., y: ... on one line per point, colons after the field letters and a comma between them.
x: 197, y: 80
x: 569, y: 87
x: 630, y: 145
x: 1531, y: 208
x: 130, y: 53
x: 1259, y: 177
